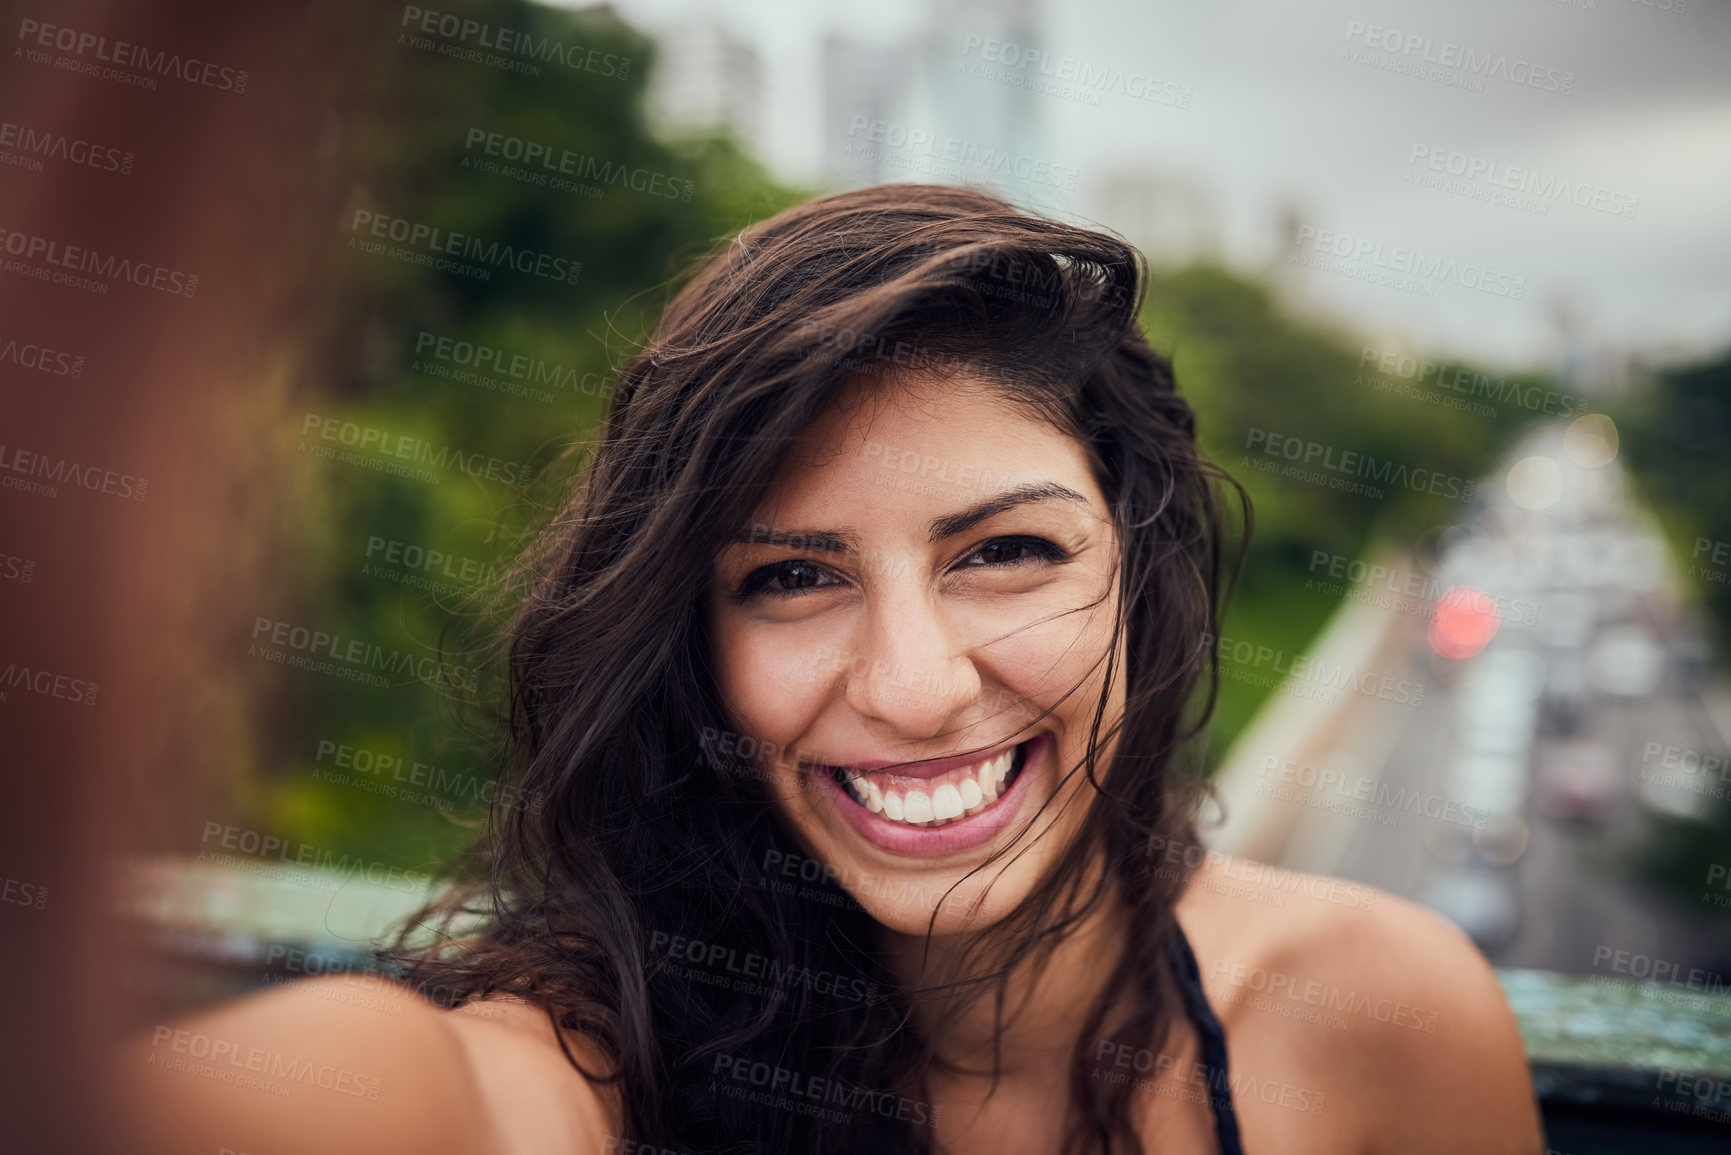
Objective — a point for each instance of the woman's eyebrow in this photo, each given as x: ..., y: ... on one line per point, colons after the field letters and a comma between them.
x: 953, y: 523
x: 817, y: 540
x: 949, y: 525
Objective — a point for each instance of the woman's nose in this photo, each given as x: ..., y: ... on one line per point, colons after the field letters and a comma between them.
x: 911, y: 670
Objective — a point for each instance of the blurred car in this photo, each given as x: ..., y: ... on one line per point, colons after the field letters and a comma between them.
x: 1626, y: 662
x: 1499, y: 839
x: 1566, y: 619
x: 1578, y: 781
x: 1692, y: 652
x: 1480, y: 900
x: 1568, y: 697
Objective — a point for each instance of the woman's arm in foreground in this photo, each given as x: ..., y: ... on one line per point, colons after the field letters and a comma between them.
x: 1412, y: 1041
x: 334, y: 1065
x: 1459, y: 1082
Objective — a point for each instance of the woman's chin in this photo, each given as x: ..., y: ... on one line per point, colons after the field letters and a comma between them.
x: 964, y: 903
x: 956, y: 914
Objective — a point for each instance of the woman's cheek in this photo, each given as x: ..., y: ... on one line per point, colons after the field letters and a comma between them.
x: 774, y: 681
x: 1045, y: 653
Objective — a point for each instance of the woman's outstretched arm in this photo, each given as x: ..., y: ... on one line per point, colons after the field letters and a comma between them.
x: 335, y: 1066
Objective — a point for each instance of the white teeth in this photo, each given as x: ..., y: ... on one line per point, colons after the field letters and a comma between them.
x: 971, y: 793
x: 988, y: 782
x: 964, y: 794
x: 918, y: 806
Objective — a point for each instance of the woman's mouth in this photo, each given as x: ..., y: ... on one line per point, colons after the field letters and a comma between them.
x: 955, y: 794
x: 961, y: 808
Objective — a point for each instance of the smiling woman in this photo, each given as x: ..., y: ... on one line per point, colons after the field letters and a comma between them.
x: 993, y: 603
x: 863, y: 680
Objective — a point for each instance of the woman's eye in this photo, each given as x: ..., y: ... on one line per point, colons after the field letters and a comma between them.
x: 782, y: 579
x: 1013, y: 551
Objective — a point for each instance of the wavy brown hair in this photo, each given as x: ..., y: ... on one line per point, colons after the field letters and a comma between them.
x: 645, y: 834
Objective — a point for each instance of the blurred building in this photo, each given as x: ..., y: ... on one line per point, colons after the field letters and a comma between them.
x: 708, y: 77
x: 998, y: 111
x: 870, y: 91
x: 926, y: 104
x: 1173, y: 219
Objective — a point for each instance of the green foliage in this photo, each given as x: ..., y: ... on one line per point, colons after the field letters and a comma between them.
x: 1252, y: 370
x: 390, y: 560
x: 1673, y: 436
x: 365, y: 554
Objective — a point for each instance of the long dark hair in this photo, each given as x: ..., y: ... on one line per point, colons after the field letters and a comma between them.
x: 645, y: 838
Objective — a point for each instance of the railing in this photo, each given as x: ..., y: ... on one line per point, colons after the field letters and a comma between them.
x: 1618, y: 1066
x: 1621, y: 1065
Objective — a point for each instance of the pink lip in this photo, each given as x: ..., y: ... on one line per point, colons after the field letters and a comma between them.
x: 965, y: 834
x: 931, y: 769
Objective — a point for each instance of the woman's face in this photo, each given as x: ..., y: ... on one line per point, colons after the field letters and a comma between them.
x: 913, y: 635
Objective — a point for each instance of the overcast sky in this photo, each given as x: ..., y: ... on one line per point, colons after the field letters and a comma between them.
x: 1287, y: 108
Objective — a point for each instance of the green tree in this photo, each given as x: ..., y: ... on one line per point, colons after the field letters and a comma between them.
x: 1254, y: 371
x: 1673, y: 434
x: 476, y: 372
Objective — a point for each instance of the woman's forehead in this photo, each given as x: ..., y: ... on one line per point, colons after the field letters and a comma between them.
x: 924, y: 452
x: 952, y: 417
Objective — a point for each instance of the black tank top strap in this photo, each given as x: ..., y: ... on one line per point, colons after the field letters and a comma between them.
x: 1213, y: 1043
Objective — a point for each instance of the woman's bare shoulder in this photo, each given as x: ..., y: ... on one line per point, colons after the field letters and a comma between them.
x: 1281, y: 916
x: 1393, y: 999
x: 538, y: 1101
x: 356, y: 1063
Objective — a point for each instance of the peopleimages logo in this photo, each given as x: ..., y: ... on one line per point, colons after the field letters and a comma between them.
x: 1493, y: 177
x: 499, y: 370
x: 393, y: 776
x: 29, y: 355
x: 918, y: 148
x: 1353, y: 463
x: 254, y: 1068
x: 403, y: 446
x: 57, y: 471
x: 1392, y: 800
x: 1406, y: 591
x: 1660, y: 971
x: 33, y: 145
x: 1068, y: 76
x: 36, y: 35
x: 1469, y: 63
x: 1471, y: 383
x: 305, y: 647
x: 749, y: 967
x: 435, y: 240
x: 1245, y: 661
x: 1314, y: 992
x: 16, y: 569
x: 46, y: 683
x: 254, y: 848
x: 1371, y: 255
x: 506, y: 44
x: 544, y: 164
x: 454, y: 568
x: 1170, y: 1074
x: 101, y: 268
x: 823, y: 1098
